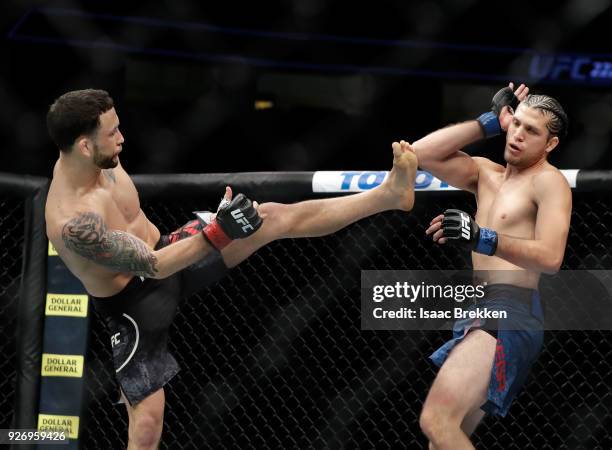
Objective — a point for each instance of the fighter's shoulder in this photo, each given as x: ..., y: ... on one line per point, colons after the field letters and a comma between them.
x: 550, y: 182
x: 550, y: 177
x: 61, y: 214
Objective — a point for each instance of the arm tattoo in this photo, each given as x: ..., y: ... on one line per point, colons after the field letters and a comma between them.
x: 87, y: 236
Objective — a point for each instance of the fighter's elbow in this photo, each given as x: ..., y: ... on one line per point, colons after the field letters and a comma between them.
x: 552, y: 264
x: 550, y: 270
x: 426, y: 158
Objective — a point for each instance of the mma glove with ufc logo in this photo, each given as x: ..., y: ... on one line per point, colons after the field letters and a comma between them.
x: 459, y: 227
x: 236, y: 219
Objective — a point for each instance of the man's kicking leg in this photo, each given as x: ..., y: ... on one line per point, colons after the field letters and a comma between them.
x: 304, y: 219
x: 322, y: 217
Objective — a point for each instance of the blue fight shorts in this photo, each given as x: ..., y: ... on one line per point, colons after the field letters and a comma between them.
x: 519, y: 341
x: 138, y: 319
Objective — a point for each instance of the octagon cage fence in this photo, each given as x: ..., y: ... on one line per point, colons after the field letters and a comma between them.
x: 273, y: 355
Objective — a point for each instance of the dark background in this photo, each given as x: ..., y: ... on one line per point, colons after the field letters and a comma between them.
x: 345, y: 79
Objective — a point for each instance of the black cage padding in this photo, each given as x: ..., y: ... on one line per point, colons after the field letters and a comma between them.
x: 271, y: 186
x: 24, y: 307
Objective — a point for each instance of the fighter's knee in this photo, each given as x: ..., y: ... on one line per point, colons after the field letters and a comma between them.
x: 439, y: 425
x: 433, y: 422
x: 278, y: 219
x: 146, y: 430
x: 428, y: 421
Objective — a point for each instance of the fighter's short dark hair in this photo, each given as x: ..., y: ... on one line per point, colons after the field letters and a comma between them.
x: 76, y: 113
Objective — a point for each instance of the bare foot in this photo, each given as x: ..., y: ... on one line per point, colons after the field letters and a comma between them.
x: 400, y: 182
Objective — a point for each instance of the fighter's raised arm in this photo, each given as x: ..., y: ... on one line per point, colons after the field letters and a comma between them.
x: 440, y: 152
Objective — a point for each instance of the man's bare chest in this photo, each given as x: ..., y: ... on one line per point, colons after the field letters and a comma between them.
x: 507, y: 205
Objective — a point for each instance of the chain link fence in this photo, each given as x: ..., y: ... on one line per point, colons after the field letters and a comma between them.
x: 11, y: 253
x: 273, y: 355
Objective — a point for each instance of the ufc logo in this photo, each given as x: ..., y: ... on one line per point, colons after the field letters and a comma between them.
x: 115, y: 339
x: 239, y: 217
x: 465, y: 226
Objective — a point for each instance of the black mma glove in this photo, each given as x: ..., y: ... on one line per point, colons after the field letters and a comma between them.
x: 489, y: 121
x: 236, y: 219
x: 458, y: 226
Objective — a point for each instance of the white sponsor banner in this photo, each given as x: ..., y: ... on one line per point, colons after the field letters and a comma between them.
x: 358, y: 181
x: 364, y: 180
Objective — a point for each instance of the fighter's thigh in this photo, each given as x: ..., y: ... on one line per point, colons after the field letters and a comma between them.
x: 275, y: 226
x: 463, y: 380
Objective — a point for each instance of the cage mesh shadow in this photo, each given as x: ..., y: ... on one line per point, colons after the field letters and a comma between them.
x: 11, y: 255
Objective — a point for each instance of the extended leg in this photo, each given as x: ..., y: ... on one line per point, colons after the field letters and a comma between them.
x: 322, y: 217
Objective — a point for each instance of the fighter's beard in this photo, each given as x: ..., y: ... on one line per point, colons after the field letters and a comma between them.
x: 104, y: 162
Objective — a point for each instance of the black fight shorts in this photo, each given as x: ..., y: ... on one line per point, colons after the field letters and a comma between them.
x: 138, y: 319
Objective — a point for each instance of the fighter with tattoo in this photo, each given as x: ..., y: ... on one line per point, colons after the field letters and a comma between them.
x: 134, y: 275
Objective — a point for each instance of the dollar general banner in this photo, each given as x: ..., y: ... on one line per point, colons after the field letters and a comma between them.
x: 64, y: 347
x: 69, y: 425
x: 62, y: 365
x: 73, y: 305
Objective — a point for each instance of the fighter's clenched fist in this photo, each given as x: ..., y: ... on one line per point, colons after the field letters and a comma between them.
x: 458, y: 226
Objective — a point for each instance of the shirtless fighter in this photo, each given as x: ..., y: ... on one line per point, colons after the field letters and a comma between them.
x: 137, y: 277
x: 520, y: 231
